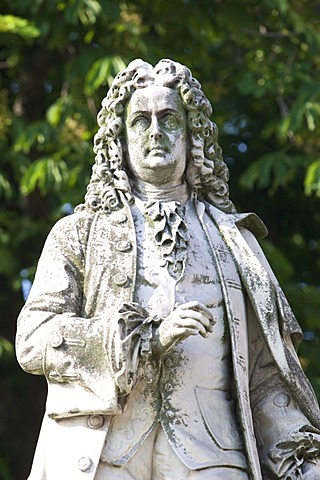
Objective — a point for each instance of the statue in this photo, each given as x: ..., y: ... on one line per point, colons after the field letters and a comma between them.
x: 168, y: 346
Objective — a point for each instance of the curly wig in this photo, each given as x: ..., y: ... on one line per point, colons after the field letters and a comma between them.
x: 207, y: 173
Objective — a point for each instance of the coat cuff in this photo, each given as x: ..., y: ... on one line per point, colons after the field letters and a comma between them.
x: 131, y: 346
x: 288, y: 456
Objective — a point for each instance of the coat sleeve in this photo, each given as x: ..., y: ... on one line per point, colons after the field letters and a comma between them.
x: 55, y: 339
x: 55, y: 298
x: 88, y: 359
x: 287, y: 441
x: 291, y: 327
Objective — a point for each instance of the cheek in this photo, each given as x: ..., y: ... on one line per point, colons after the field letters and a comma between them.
x: 176, y: 136
x: 132, y: 138
x: 136, y: 138
x: 179, y: 141
x: 134, y: 144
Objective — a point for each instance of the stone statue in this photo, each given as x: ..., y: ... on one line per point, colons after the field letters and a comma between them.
x: 167, y: 343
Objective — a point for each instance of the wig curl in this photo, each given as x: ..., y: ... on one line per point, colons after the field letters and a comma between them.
x: 207, y: 174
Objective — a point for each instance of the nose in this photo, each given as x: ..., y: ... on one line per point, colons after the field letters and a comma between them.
x: 155, y: 130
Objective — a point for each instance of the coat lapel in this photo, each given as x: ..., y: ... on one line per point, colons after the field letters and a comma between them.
x: 257, y: 283
x: 236, y: 314
x: 271, y: 308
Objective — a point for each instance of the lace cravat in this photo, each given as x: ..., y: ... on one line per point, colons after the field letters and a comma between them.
x: 171, y: 233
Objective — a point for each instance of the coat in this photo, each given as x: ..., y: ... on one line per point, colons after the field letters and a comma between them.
x: 86, y: 271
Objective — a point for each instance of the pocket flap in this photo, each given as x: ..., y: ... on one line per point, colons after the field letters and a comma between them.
x: 219, y: 416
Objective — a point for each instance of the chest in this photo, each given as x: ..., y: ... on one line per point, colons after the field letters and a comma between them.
x: 160, y: 292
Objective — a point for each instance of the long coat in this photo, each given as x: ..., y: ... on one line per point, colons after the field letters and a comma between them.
x: 86, y: 271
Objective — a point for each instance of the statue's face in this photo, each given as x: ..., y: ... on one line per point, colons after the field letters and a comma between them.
x: 156, y: 136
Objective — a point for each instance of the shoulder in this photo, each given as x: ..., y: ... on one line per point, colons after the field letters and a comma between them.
x: 71, y: 232
x: 76, y: 226
x: 244, y: 221
x: 85, y: 227
x: 82, y: 219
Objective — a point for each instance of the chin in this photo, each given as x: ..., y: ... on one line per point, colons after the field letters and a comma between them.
x: 158, y: 161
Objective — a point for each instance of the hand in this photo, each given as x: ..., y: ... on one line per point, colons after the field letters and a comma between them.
x: 187, y: 319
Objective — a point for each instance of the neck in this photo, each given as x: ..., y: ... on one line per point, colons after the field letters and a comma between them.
x: 164, y: 193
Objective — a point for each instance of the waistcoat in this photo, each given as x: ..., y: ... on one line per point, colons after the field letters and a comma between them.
x: 192, y: 399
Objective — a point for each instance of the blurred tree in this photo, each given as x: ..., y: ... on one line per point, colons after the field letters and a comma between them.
x: 259, y: 63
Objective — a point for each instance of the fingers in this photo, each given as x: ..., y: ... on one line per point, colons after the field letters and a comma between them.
x: 196, y: 310
x: 197, y: 307
x: 192, y: 326
x: 195, y: 320
x: 193, y: 317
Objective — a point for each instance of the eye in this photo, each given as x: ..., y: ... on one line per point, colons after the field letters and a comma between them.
x: 169, y: 121
x: 141, y: 122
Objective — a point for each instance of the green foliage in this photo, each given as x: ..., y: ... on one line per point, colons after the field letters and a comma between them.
x: 312, y: 178
x: 45, y: 174
x: 6, y: 349
x: 283, y: 269
x: 258, y: 61
x: 4, y: 469
x: 272, y: 170
x: 102, y: 73
x: 18, y: 26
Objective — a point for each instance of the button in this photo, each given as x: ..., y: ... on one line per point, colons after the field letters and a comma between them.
x: 120, y: 279
x: 168, y: 387
x: 56, y: 340
x: 172, y: 360
x: 120, y: 218
x: 281, y: 400
x: 95, y: 421
x: 170, y: 414
x: 124, y: 246
x: 84, y: 463
x: 168, y: 362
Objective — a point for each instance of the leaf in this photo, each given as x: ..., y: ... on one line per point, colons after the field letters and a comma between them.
x: 97, y: 75
x: 312, y: 114
x: 102, y: 72
x: 272, y: 170
x: 19, y: 26
x: 283, y: 129
x: 312, y: 179
x: 306, y: 107
x: 298, y: 21
x: 6, y: 349
x: 54, y: 113
x: 88, y: 11
x: 45, y: 173
x: 37, y: 134
x: 5, y: 186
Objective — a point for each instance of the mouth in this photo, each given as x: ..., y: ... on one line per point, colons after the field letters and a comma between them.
x: 157, y: 150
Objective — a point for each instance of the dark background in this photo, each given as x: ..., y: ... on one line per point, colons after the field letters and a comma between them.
x: 258, y: 62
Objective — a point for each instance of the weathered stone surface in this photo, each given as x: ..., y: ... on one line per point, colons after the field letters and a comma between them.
x: 166, y: 341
